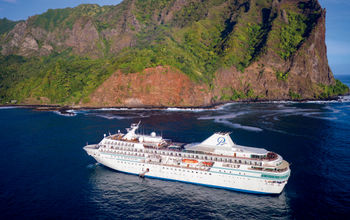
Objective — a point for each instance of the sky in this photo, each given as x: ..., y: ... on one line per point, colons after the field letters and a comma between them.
x: 337, y: 23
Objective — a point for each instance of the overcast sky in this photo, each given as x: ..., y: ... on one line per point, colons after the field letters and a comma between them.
x: 337, y: 22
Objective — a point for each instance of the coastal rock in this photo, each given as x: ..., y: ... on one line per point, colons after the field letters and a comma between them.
x: 159, y: 86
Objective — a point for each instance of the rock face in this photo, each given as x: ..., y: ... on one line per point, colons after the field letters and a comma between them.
x: 307, y: 67
x: 174, y: 53
x: 159, y: 86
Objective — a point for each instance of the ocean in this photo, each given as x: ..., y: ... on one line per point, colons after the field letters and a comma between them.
x: 46, y: 174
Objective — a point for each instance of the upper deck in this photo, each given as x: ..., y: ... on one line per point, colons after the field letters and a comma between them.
x: 219, y: 145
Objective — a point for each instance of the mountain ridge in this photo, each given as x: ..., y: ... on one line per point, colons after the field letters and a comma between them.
x: 232, y: 50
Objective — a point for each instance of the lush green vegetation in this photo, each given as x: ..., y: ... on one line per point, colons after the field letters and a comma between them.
x: 199, y: 39
x: 281, y: 75
x: 231, y: 94
x: 65, y: 18
x: 146, y: 9
x: 248, y: 35
x: 241, y: 48
x: 294, y: 95
x: 334, y: 90
x: 292, y: 34
x: 61, y: 78
x: 6, y: 25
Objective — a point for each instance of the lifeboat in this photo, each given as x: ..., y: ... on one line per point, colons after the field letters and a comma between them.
x: 207, y: 163
x: 189, y: 161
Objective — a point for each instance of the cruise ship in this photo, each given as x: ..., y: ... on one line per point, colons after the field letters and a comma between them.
x: 215, y: 162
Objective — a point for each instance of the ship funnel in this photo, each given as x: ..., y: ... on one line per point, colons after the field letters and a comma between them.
x: 219, y: 140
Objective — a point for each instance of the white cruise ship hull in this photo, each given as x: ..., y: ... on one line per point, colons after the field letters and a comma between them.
x: 233, y: 180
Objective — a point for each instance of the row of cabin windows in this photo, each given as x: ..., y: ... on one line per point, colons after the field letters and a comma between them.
x: 188, y: 171
x: 120, y: 143
x: 218, y: 159
x: 128, y: 153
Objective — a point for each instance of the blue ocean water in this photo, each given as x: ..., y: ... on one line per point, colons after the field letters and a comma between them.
x: 45, y: 173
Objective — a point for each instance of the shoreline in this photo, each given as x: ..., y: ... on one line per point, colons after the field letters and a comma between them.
x: 65, y: 108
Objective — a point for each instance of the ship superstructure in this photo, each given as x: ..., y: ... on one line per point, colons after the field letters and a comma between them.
x: 216, y: 162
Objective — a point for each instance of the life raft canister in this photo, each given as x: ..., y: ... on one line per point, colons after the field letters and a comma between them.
x: 189, y: 161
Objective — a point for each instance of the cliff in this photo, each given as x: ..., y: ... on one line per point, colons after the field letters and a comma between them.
x: 168, y: 53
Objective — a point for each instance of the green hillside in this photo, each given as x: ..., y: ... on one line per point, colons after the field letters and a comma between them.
x: 198, y: 38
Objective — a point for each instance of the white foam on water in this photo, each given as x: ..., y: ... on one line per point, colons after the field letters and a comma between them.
x: 238, y: 126
x: 226, y: 105
x: 279, y: 102
x: 333, y: 110
x: 8, y: 107
x: 110, y: 117
x: 187, y: 109
x: 70, y: 114
x: 224, y: 119
x: 109, y: 109
x: 226, y: 116
x: 345, y: 98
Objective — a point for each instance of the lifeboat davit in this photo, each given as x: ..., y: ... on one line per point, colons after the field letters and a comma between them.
x: 189, y: 161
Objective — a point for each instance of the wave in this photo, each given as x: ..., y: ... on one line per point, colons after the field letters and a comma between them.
x: 109, y: 109
x: 8, y: 107
x: 345, y: 98
x: 226, y: 116
x: 224, y: 119
x: 118, y: 117
x: 188, y: 109
x: 68, y: 113
x: 239, y: 126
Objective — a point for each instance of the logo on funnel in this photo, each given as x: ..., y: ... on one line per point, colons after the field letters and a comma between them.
x: 221, y: 141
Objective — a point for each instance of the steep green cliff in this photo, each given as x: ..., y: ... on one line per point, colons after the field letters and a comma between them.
x: 232, y: 50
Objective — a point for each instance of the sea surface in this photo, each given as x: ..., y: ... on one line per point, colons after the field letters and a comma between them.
x: 46, y: 174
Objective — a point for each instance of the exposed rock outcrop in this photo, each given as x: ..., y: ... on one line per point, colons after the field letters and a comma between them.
x: 159, y: 86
